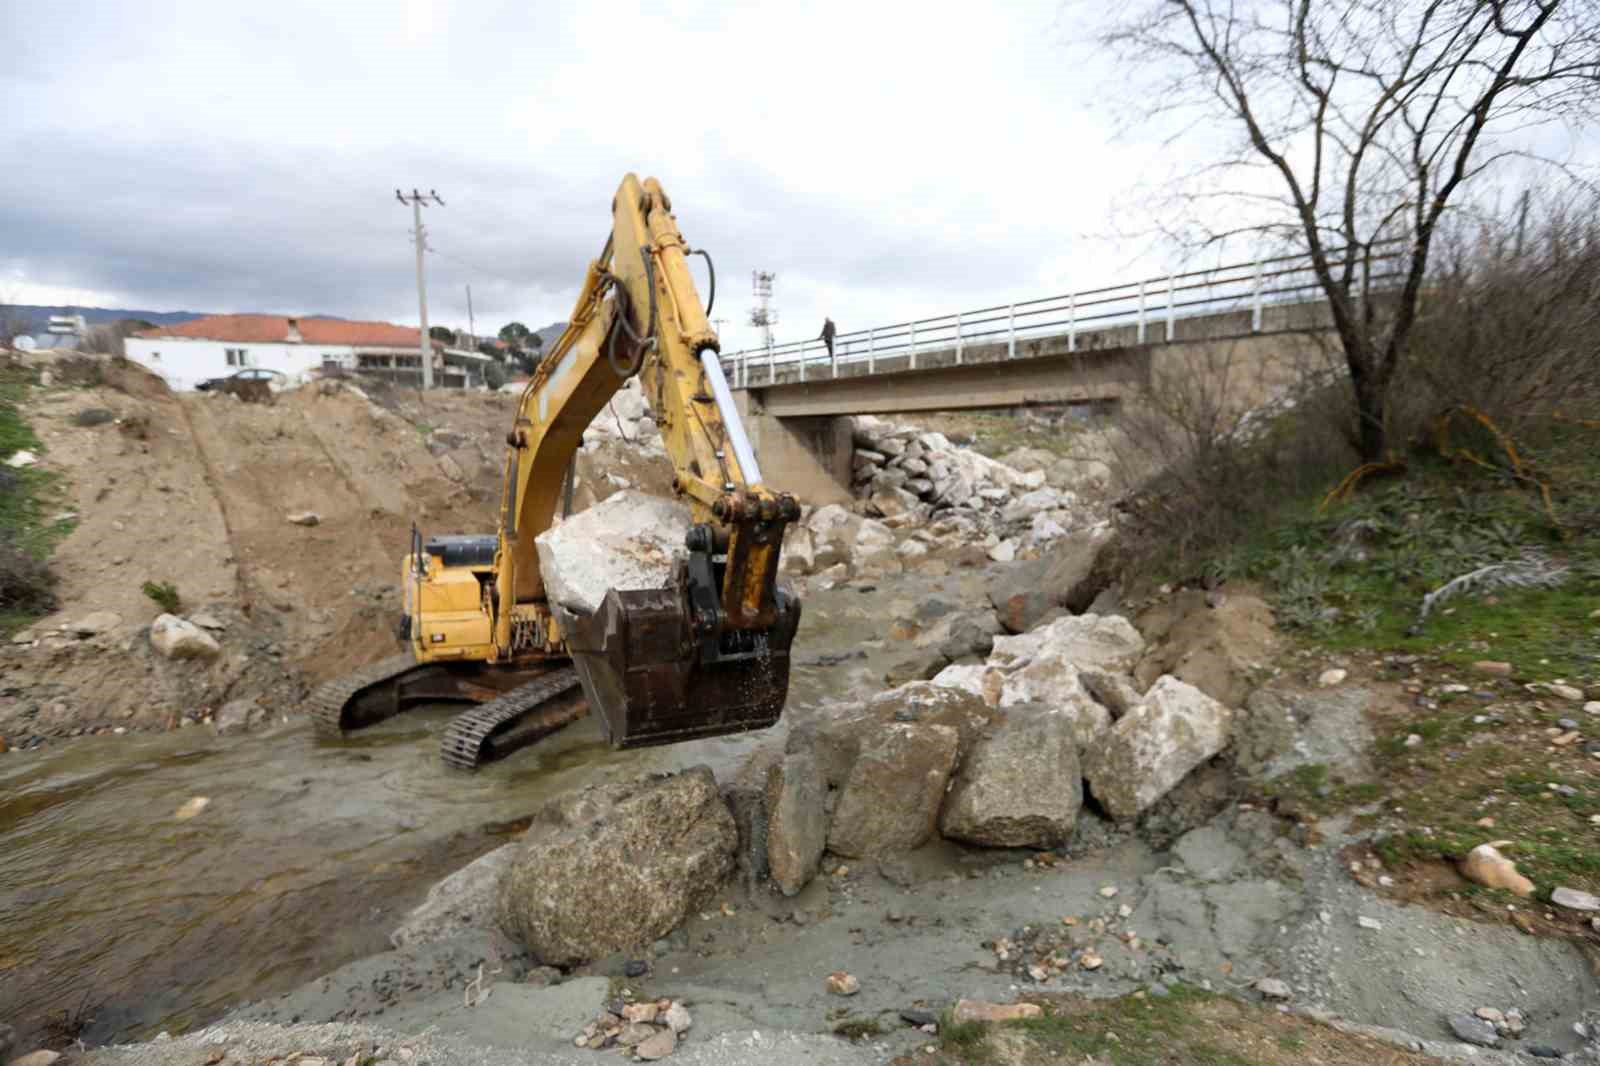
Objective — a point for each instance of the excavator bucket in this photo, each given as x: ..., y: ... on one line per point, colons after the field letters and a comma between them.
x: 654, y: 680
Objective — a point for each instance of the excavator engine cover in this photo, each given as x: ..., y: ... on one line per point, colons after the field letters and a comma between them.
x: 656, y: 681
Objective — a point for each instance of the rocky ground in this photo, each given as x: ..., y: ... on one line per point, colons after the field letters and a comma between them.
x: 642, y: 897
x: 1005, y: 786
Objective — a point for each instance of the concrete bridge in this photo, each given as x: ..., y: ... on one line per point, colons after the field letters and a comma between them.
x: 1257, y: 323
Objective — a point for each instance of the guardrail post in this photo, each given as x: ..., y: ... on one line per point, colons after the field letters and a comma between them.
x: 913, y: 328
x: 802, y: 361
x: 1072, y: 322
x: 872, y: 350
x: 1141, y: 312
x: 958, y: 338
x: 1011, y: 331
x: 833, y: 360
x: 1255, y: 299
x: 772, y: 365
x: 1171, y: 316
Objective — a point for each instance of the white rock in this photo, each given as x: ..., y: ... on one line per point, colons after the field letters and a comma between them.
x: 627, y: 541
x: 1330, y: 678
x: 980, y: 679
x: 1087, y: 641
x: 22, y: 458
x: 1272, y: 988
x: 1045, y: 528
x: 873, y: 536
x: 191, y: 808
x: 827, y: 518
x: 799, y: 551
x: 1575, y: 900
x: 1154, y: 746
x: 1003, y: 552
x: 1592, y: 707
x: 1368, y: 923
x: 304, y: 518
x: 1029, y: 504
x: 1033, y: 479
x: 912, y: 549
x: 177, y: 639
x: 678, y: 1018
x: 1566, y: 692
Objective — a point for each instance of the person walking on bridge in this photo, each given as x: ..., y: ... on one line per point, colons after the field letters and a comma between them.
x: 827, y: 335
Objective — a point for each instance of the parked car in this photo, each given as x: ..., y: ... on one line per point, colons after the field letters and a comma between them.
x: 253, y: 384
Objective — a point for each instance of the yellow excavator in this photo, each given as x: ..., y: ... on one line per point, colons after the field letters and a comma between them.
x: 706, y: 655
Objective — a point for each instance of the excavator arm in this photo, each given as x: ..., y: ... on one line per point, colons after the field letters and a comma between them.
x: 709, y: 653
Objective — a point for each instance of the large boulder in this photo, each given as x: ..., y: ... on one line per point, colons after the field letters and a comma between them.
x: 890, y: 801
x: 1068, y: 575
x: 176, y: 638
x: 627, y: 541
x: 836, y: 733
x: 616, y: 867
x: 462, y: 902
x: 1174, y: 729
x: 1020, y: 786
x: 1053, y: 683
x: 797, y: 820
x: 1086, y: 641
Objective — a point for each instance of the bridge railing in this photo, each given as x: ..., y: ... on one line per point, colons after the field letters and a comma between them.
x: 1137, y: 312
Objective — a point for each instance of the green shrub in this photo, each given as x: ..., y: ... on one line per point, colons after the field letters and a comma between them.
x: 165, y: 594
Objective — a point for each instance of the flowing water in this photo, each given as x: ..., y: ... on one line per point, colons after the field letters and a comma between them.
x: 119, y: 918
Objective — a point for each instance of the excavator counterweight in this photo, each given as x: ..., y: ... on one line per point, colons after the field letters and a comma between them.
x: 704, y: 655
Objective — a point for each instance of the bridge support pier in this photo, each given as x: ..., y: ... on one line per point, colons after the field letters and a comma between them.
x: 808, y: 455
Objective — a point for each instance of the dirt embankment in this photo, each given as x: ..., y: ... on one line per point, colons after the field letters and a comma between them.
x: 195, y: 490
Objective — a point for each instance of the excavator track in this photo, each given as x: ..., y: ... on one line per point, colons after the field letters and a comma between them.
x: 470, y: 740
x: 327, y: 704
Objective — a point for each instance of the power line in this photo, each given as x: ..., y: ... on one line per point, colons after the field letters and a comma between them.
x: 473, y: 266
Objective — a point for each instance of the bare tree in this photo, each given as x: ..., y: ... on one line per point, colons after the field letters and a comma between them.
x: 1353, y: 123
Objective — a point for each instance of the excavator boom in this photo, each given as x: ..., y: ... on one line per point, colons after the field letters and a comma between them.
x: 708, y: 654
x: 704, y: 655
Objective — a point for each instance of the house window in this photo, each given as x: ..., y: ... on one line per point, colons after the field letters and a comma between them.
x: 237, y: 356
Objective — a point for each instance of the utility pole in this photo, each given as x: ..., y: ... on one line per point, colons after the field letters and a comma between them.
x: 472, y: 330
x: 425, y: 344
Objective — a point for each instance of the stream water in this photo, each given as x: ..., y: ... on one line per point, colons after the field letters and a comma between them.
x: 118, y: 918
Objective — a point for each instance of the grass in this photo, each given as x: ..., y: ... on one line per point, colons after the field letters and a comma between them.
x: 1353, y: 577
x: 1187, y: 1027
x: 164, y: 594
x: 1454, y: 745
x: 28, y: 495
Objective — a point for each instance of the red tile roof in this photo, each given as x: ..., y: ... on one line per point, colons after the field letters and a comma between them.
x: 274, y: 329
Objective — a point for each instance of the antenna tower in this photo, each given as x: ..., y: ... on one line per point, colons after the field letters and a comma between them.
x: 763, y: 315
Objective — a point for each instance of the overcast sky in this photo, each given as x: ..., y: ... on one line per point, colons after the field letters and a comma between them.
x: 884, y: 159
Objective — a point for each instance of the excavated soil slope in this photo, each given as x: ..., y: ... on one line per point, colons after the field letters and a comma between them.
x: 196, y: 490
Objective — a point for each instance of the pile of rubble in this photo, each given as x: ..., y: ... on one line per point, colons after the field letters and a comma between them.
x: 650, y: 1029
x: 997, y: 754
x: 900, y: 470
x: 627, y: 417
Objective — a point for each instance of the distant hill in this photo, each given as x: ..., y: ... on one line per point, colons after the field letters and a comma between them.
x: 548, y: 334
x: 36, y: 316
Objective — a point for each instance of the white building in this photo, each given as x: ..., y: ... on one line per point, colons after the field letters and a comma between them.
x: 301, y: 348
